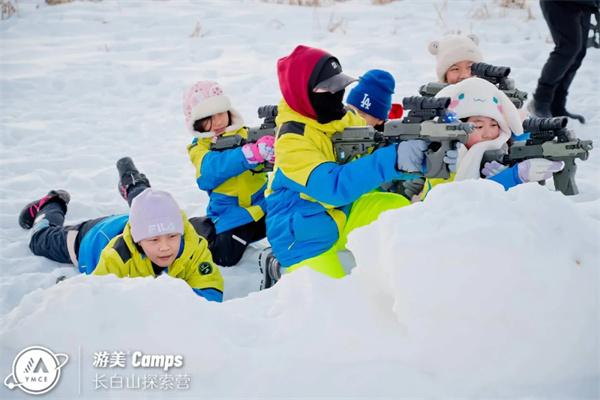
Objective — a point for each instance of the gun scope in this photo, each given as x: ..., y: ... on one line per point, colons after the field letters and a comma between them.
x: 544, y: 124
x: 492, y: 71
x: 267, y: 111
x: 420, y: 103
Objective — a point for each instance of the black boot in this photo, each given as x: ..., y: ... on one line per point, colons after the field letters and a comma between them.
x: 131, y: 181
x: 565, y: 113
x: 270, y: 268
x: 539, y: 109
x: 558, y: 109
x: 54, y: 205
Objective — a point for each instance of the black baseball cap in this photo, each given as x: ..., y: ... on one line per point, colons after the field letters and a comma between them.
x: 331, y: 78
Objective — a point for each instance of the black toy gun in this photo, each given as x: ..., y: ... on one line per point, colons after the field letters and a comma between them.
x: 493, y: 74
x: 550, y: 139
x: 267, y: 128
x: 427, y: 120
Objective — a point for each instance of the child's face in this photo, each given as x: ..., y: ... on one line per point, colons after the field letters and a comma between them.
x: 371, y: 120
x: 459, y: 72
x: 162, y: 250
x: 485, y: 128
x: 216, y: 123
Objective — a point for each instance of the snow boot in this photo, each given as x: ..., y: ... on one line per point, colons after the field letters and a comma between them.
x: 565, y: 113
x: 558, y: 107
x: 131, y: 181
x: 270, y: 268
x: 53, y: 205
x: 539, y: 109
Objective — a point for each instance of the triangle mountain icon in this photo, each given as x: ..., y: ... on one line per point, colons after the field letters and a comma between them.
x: 40, y: 367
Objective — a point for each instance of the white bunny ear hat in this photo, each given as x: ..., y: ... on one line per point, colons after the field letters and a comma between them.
x: 478, y: 97
x: 453, y: 49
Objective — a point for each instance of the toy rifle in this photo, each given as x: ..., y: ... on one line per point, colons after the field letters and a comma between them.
x: 493, y: 74
x: 550, y: 139
x: 428, y: 120
x: 267, y: 128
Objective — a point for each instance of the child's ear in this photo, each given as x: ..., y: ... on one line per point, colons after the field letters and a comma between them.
x: 510, y: 114
x: 474, y: 38
x: 434, y: 47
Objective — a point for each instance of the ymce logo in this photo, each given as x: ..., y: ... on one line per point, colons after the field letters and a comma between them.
x: 35, y: 370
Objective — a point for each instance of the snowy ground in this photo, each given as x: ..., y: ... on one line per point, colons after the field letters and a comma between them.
x: 474, y: 293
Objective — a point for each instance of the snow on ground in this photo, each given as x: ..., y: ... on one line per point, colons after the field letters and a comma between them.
x: 473, y: 293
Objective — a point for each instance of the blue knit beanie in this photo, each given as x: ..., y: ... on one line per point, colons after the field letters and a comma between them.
x: 373, y: 94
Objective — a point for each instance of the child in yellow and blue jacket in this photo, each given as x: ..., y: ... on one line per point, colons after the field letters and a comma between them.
x: 313, y: 202
x: 233, y: 178
x: 155, y: 238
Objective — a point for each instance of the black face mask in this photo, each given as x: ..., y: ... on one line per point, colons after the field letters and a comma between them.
x: 328, y: 106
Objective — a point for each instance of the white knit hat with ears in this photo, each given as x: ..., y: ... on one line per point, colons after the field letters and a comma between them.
x: 453, y: 49
x: 478, y: 97
x: 206, y: 98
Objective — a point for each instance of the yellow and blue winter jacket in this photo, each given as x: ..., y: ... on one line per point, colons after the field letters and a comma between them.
x: 122, y: 257
x: 236, y: 191
x: 309, y: 193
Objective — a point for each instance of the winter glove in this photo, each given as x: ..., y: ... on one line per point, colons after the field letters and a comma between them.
x: 538, y: 169
x: 451, y: 158
x: 411, y: 155
x: 261, y: 151
x: 492, y: 168
x: 414, y: 187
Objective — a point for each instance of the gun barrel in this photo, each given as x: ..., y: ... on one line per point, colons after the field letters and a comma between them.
x: 420, y: 103
x: 483, y: 70
x: 544, y: 124
x: 267, y: 111
x: 431, y: 89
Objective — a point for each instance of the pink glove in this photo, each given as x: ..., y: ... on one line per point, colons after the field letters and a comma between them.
x: 261, y: 151
x: 538, y: 169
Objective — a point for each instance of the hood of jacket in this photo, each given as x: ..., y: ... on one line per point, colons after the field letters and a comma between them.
x: 298, y: 75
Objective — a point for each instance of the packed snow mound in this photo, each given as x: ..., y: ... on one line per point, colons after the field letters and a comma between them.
x: 501, y: 285
x: 474, y: 281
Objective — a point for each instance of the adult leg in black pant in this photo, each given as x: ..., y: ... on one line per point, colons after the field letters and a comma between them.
x: 569, y: 23
x: 559, y: 102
